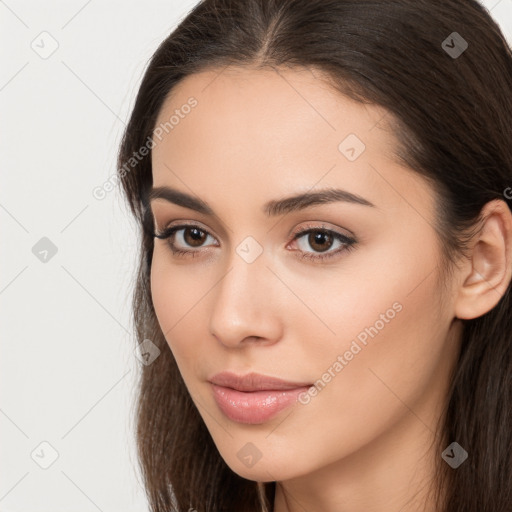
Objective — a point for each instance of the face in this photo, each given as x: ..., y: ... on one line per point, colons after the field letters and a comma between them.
x: 337, y: 296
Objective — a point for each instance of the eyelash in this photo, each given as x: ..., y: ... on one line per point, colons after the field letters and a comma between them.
x: 348, y: 243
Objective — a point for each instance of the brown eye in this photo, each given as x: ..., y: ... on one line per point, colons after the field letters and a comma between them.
x: 320, y: 240
x: 185, y: 239
x: 194, y: 237
x: 320, y: 244
x: 189, y: 240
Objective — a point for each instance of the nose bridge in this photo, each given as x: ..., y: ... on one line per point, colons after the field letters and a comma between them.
x: 242, y: 303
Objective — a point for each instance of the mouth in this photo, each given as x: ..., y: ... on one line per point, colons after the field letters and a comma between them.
x: 254, y: 398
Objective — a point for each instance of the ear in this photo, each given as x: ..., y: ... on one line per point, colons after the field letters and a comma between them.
x: 488, y: 271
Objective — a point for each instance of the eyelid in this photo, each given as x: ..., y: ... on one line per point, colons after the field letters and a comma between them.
x: 322, y: 226
x: 178, y: 226
x: 178, y: 218
x: 182, y: 224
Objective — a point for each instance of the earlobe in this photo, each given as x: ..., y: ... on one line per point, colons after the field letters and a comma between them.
x: 489, y: 269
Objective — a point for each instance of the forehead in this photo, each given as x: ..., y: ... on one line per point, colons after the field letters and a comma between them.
x: 284, y: 129
x: 291, y: 104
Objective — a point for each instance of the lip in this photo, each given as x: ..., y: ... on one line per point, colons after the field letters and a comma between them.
x: 254, y: 382
x: 254, y: 398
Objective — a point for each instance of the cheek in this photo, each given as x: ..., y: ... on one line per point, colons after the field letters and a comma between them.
x: 178, y: 294
x: 389, y: 321
x: 388, y: 342
x: 175, y: 288
x: 374, y: 292
x: 394, y: 369
x: 387, y: 378
x: 169, y: 294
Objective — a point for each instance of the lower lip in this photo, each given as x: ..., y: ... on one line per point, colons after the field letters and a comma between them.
x: 254, y: 406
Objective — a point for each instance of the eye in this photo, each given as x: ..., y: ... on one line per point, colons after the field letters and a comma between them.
x: 192, y: 236
x: 186, y: 240
x: 322, y: 239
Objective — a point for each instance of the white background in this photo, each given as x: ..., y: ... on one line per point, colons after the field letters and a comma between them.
x: 67, y: 367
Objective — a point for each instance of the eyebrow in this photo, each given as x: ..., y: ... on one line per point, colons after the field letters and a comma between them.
x: 271, y: 208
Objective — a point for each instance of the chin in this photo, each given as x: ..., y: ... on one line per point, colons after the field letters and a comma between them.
x: 267, y: 469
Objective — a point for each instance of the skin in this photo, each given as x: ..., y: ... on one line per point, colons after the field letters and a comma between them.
x: 363, y: 443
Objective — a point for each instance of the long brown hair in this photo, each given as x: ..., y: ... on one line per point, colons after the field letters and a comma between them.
x: 452, y: 116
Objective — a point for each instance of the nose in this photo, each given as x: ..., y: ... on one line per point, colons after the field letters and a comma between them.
x: 245, y: 307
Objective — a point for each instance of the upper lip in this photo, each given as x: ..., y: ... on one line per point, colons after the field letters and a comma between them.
x: 253, y: 382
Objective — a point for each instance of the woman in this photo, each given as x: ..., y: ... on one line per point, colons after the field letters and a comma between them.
x: 323, y: 190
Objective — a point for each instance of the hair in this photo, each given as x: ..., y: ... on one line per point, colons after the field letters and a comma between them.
x: 452, y: 121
